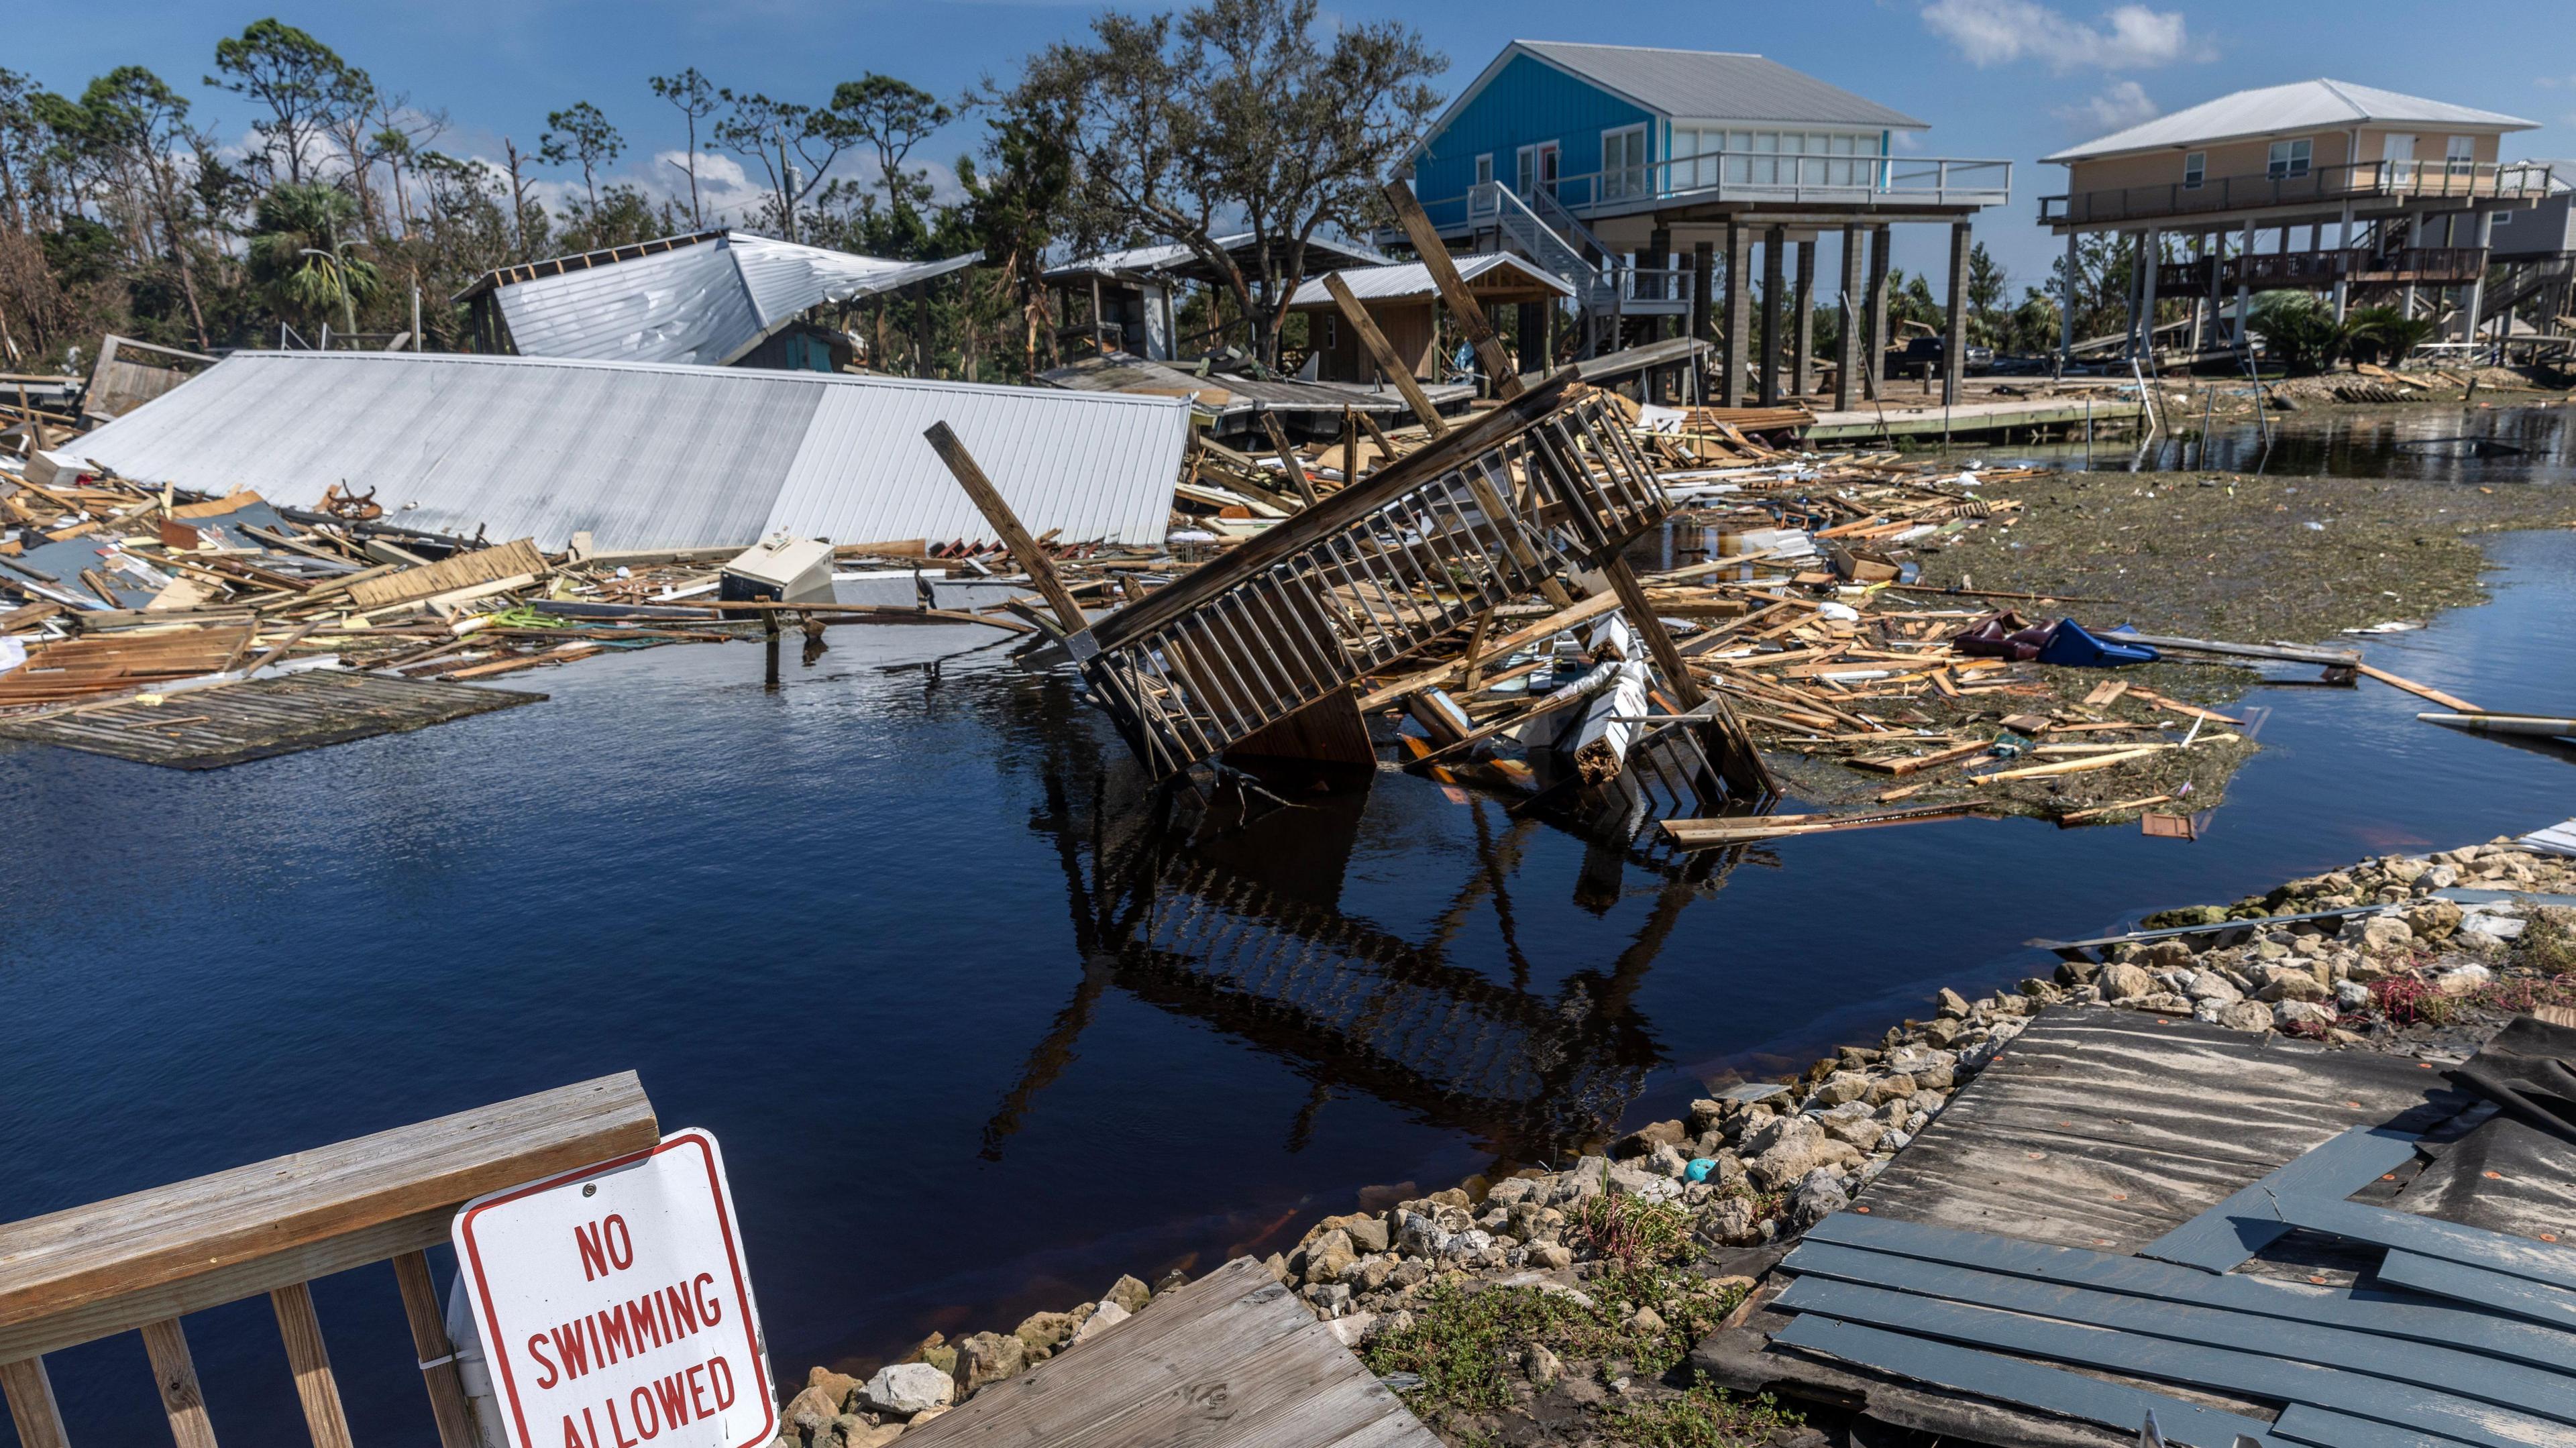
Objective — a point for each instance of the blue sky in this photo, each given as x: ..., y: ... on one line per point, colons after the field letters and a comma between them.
x: 1999, y: 78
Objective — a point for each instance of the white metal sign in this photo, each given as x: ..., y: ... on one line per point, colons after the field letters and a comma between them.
x: 615, y: 1307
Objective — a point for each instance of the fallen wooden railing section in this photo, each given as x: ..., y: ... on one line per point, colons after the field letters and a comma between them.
x: 141, y: 1262
x: 1485, y: 514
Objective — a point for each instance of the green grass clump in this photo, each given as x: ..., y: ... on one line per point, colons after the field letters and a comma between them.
x: 1704, y: 1416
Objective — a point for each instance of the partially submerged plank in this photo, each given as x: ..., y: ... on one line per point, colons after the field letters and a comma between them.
x: 460, y: 570
x: 260, y: 718
x: 1229, y: 1361
x: 2222, y: 1238
x: 2015, y: 1380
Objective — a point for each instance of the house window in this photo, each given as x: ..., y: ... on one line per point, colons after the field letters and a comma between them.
x: 2460, y: 155
x: 2289, y: 159
x: 1485, y: 169
x: 1332, y: 333
x: 1623, y: 162
x: 2195, y: 168
x: 1537, y: 169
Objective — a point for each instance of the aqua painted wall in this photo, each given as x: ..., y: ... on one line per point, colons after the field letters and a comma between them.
x: 1528, y: 102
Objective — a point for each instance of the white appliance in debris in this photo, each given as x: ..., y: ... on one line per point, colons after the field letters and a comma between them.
x: 780, y: 570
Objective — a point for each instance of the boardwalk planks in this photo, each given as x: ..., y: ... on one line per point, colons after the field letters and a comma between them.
x: 233, y: 723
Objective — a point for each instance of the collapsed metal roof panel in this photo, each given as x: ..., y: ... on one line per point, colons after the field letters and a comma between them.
x: 649, y: 456
x: 707, y: 303
x: 1100, y: 469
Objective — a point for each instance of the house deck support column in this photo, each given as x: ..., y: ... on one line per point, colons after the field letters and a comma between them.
x: 2478, y: 288
x: 2343, y: 250
x: 2150, y: 261
x: 1847, y: 301
x: 1874, y: 354
x: 1703, y: 277
x: 1772, y: 282
x: 2244, y: 294
x: 2066, y: 305
x: 1739, y: 311
x: 1802, y: 352
x: 1954, y: 347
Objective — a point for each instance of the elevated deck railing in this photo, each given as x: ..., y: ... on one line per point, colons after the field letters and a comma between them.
x: 143, y: 1261
x: 1864, y: 182
x: 2427, y: 265
x: 2323, y: 185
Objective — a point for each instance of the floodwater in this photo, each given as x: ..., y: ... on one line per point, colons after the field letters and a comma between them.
x: 979, y: 1029
x: 2472, y: 444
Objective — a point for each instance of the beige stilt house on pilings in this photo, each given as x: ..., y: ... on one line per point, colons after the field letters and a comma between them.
x: 2408, y: 188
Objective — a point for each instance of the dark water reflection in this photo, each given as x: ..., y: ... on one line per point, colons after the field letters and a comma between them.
x: 2472, y: 444
x: 979, y: 1027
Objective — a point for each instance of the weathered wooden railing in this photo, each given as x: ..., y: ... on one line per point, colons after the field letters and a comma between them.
x: 141, y: 1262
x: 1480, y: 516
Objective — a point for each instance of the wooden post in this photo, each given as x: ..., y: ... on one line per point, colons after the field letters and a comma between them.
x: 1802, y: 330
x: 1024, y: 549
x: 1739, y: 312
x: 1378, y: 435
x: 1703, y: 305
x: 1383, y: 352
x: 32, y: 1406
x: 1874, y: 352
x: 1350, y: 449
x: 1772, y: 282
x: 311, y: 1362
x: 1288, y: 458
x: 1462, y: 303
x: 437, y: 1354
x: 1847, y: 351
x: 1954, y: 349
x: 1474, y: 671
x: 175, y: 1373
x: 921, y: 358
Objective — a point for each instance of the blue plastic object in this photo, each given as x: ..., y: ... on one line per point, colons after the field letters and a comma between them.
x: 1699, y: 1169
x: 2070, y: 646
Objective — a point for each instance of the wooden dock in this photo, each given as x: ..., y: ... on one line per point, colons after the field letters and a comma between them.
x: 233, y: 723
x: 1229, y: 1361
x: 1913, y: 421
x: 2100, y: 1129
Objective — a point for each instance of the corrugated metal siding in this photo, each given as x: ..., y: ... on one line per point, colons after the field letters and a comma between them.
x: 649, y: 456
x: 706, y: 304
x: 1098, y: 467
x: 1529, y: 101
x: 688, y: 305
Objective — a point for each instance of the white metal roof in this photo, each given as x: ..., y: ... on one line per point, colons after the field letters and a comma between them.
x: 652, y: 455
x: 1413, y: 279
x: 2298, y: 106
x: 707, y: 303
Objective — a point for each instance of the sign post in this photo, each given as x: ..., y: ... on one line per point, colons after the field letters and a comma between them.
x: 615, y: 1308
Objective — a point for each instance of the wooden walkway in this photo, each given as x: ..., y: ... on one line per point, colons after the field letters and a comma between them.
x: 1229, y: 1361
x: 232, y: 723
x: 2100, y: 1129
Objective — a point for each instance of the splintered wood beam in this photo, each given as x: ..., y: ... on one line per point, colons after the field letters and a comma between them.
x: 1463, y: 307
x: 1288, y: 458
x: 1389, y: 365
x: 1025, y: 551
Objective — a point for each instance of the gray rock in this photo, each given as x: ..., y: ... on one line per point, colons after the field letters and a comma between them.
x: 1541, y: 1366
x: 1329, y: 1299
x: 2209, y: 985
x: 1667, y: 1161
x: 2289, y: 1013
x: 1819, y: 1195
x: 2121, y: 981
x: 906, y: 1388
x: 1950, y: 1003
x: 1730, y: 1221
x: 812, y: 1410
x: 1109, y: 1315
x: 1128, y: 1293
x: 2352, y: 996
x: 989, y: 1357
x: 2461, y: 979
x: 1838, y: 1088
x: 2245, y: 1016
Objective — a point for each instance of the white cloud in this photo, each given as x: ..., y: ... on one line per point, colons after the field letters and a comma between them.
x: 1999, y: 32
x: 2124, y: 103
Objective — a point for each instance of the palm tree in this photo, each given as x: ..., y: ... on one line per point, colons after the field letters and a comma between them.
x: 2385, y: 333
x: 301, y: 259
